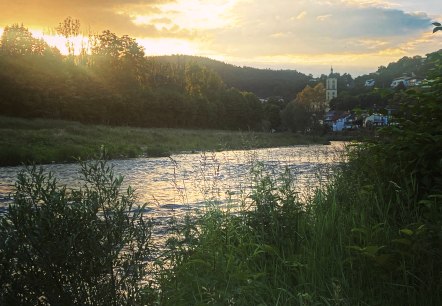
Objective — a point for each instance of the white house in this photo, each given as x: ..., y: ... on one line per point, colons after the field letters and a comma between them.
x: 404, y: 80
x: 370, y: 83
x: 375, y: 120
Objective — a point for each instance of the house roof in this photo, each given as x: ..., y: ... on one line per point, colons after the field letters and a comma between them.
x: 335, y: 115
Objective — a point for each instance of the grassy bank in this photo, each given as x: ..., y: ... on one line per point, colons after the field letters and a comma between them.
x: 46, y: 141
x: 359, y: 241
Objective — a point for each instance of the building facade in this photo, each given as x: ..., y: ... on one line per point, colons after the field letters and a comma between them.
x: 331, y: 87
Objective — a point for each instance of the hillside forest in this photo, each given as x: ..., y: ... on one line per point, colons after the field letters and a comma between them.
x: 111, y: 81
x: 116, y: 84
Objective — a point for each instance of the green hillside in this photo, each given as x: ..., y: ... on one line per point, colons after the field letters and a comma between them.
x: 262, y: 82
x: 416, y: 66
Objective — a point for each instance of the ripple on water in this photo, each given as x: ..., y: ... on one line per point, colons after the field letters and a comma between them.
x: 176, y: 185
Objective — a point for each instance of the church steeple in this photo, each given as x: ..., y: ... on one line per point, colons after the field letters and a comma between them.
x: 331, y: 86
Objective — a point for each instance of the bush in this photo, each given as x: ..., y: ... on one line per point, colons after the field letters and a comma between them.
x: 77, y: 247
x: 243, y: 258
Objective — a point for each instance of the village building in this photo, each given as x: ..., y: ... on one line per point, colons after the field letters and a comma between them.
x: 376, y: 120
x: 398, y: 81
x: 331, y: 88
x: 370, y: 83
x: 406, y: 81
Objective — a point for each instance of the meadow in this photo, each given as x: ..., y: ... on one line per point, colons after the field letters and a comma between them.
x: 47, y: 141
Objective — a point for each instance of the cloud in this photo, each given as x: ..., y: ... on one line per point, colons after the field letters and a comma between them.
x: 343, y: 28
x: 365, y: 33
x: 370, y: 3
x: 98, y: 15
x: 370, y: 44
x: 323, y: 17
x: 301, y: 15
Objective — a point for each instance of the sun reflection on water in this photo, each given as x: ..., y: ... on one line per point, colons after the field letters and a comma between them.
x: 173, y: 187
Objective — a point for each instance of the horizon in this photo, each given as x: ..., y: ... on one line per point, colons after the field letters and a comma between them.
x: 326, y: 72
x: 353, y: 36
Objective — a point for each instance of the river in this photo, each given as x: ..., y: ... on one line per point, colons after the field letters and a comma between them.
x: 189, y: 181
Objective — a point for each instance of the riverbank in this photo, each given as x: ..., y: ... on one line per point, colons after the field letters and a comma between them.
x: 47, y: 141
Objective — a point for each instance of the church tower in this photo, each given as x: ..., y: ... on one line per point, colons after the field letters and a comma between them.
x: 331, y: 87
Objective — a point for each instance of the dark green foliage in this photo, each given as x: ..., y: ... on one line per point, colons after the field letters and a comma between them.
x: 248, y: 258
x: 417, y: 66
x: 79, y: 247
x: 372, y: 101
x: 272, y: 113
x: 116, y: 85
x: 382, y: 95
x: 262, y: 82
x: 414, y: 146
x: 296, y: 117
x: 401, y: 174
x: 304, y: 113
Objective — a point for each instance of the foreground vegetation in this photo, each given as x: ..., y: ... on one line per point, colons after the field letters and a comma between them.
x: 372, y: 236
x: 46, y: 141
x: 82, y: 247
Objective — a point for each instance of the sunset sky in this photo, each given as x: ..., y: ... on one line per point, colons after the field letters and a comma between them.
x: 354, y: 36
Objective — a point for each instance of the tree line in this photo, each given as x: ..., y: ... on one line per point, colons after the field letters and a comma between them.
x: 111, y: 81
x: 114, y: 83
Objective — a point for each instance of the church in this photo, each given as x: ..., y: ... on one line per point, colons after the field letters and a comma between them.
x: 331, y: 87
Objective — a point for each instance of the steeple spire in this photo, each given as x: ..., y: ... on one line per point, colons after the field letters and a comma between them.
x: 331, y: 70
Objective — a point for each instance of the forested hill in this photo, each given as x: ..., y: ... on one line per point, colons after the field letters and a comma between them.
x: 262, y: 82
x: 116, y: 84
x: 416, y: 66
x: 381, y: 95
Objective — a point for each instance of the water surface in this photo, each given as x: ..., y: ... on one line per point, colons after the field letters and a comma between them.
x: 188, y: 181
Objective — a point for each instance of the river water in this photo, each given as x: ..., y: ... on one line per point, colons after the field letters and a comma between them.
x: 184, y: 182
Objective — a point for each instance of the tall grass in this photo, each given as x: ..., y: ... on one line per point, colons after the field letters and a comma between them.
x: 46, y: 141
x: 355, y: 242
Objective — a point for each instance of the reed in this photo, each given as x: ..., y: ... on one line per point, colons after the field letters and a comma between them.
x: 354, y: 242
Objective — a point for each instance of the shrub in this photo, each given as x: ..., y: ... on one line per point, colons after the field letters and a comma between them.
x: 77, y: 247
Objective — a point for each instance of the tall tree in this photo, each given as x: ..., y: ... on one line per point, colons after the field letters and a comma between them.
x: 119, y: 59
x: 305, y: 112
x: 69, y: 29
x: 18, y: 40
x: 313, y: 98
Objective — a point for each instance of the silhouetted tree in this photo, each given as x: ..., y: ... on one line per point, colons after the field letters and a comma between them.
x: 18, y: 40
x: 69, y: 29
